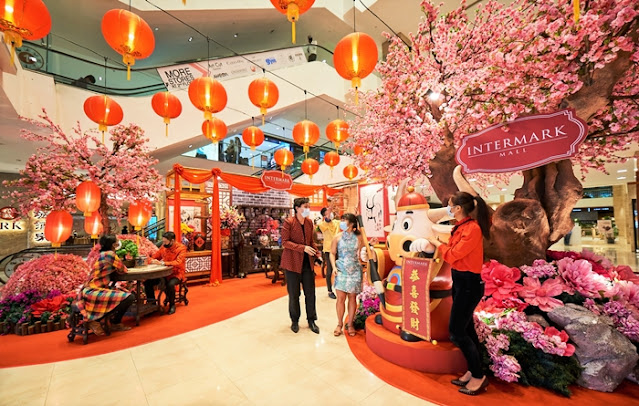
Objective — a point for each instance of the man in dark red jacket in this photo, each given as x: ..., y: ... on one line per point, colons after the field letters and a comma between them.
x: 297, y: 259
x: 171, y: 253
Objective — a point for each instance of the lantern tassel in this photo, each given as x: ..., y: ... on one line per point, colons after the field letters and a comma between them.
x: 103, y: 137
x: 356, y: 97
x: 184, y: 2
x: 293, y: 31
x: 13, y: 53
x: 262, y: 119
x: 128, y: 72
x: 331, y: 172
x: 576, y: 10
x: 167, y: 129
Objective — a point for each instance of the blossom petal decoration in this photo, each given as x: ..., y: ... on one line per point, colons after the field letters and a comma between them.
x: 500, y: 280
x: 542, y: 294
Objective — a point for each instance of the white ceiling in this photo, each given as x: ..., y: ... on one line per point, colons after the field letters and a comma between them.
x: 257, y: 29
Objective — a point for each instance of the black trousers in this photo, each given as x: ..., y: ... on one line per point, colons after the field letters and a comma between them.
x: 329, y: 270
x: 120, y: 309
x: 169, y: 283
x: 307, y: 280
x: 468, y: 289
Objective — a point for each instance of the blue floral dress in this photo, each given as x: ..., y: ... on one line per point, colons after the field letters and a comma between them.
x: 349, y: 271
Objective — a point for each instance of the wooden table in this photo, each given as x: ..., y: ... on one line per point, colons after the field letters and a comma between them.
x: 140, y: 274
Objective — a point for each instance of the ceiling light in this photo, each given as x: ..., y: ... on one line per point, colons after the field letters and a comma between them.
x: 324, y: 60
x: 236, y: 35
x: 490, y: 185
x: 157, y: 28
x: 622, y: 171
x: 99, y: 77
x: 190, y: 145
x: 190, y: 39
x: 621, y: 177
x: 503, y: 189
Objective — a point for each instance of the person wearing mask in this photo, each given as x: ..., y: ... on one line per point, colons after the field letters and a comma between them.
x: 171, y: 253
x: 297, y: 259
x: 96, y: 298
x: 465, y: 253
x: 329, y: 228
x: 348, y: 271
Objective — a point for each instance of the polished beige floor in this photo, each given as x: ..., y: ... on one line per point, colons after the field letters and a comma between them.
x: 251, y: 359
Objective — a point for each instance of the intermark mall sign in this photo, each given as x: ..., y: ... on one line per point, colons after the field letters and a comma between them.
x: 524, y: 143
x: 277, y: 180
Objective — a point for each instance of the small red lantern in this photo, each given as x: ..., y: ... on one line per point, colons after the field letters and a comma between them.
x: 263, y: 94
x: 292, y: 9
x: 310, y: 167
x: 331, y: 159
x: 283, y: 158
x: 253, y: 137
x: 208, y: 95
x: 87, y: 197
x: 129, y: 35
x: 358, y: 150
x: 93, y: 225
x: 57, y: 227
x: 214, y: 129
x: 167, y: 106
x: 350, y: 172
x: 306, y: 133
x: 337, y: 132
x: 104, y: 111
x: 355, y: 58
x: 23, y: 19
x: 140, y: 212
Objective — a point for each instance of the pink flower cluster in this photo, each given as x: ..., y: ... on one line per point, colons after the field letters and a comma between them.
x: 505, y: 367
x: 62, y: 272
x: 145, y: 248
x: 230, y: 218
x: 625, y: 320
x: 549, y: 340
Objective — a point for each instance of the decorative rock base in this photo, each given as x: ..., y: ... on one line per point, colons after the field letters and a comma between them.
x: 443, y: 358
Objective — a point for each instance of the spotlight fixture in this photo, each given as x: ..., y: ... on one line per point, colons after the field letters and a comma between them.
x: 190, y: 39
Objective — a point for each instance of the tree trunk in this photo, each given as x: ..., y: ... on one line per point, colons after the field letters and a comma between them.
x: 104, y: 212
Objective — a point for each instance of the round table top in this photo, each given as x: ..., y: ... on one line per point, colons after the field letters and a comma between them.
x: 145, y: 272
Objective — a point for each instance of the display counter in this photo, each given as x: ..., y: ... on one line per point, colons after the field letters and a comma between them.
x: 198, y: 265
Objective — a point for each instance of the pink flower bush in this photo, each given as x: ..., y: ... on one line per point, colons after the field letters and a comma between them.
x: 501, y: 281
x: 579, y: 277
x: 542, y: 294
x: 550, y: 341
x: 64, y: 272
x: 539, y: 269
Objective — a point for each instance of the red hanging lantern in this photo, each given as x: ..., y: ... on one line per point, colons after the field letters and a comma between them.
x: 214, y: 129
x: 87, y: 197
x: 57, y: 227
x: 306, y: 133
x: 310, y: 167
x: 337, y: 132
x: 331, y: 159
x: 93, y: 225
x: 166, y: 105
x: 283, y: 158
x: 355, y: 58
x: 208, y: 95
x: 253, y: 137
x: 293, y: 9
x: 350, y: 172
x: 23, y: 19
x: 104, y: 111
x: 358, y: 150
x: 140, y: 212
x: 263, y: 94
x: 129, y: 35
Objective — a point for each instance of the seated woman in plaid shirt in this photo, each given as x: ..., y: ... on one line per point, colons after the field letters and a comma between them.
x: 98, y: 298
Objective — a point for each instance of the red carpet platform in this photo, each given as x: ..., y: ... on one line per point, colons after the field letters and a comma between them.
x: 443, y: 358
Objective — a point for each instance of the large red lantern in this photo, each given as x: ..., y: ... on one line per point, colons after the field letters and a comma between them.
x: 93, y: 225
x: 88, y: 197
x: 208, y: 95
x: 167, y: 106
x: 263, y: 94
x: 293, y: 9
x: 331, y: 159
x: 104, y: 111
x: 129, y: 35
x: 214, y: 129
x: 283, y: 158
x: 337, y: 132
x: 253, y: 137
x: 57, y: 227
x: 23, y: 19
x: 350, y: 172
x: 140, y: 212
x: 306, y: 133
x: 310, y: 167
x: 355, y: 58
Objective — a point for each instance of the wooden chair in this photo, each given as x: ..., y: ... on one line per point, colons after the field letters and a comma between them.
x: 80, y: 328
x: 274, y: 266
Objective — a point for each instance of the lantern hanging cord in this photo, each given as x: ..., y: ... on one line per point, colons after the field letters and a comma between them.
x: 245, y: 58
x: 305, y: 106
x: 354, y: 10
x: 105, y: 74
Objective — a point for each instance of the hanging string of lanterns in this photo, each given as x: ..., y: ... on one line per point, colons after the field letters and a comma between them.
x: 293, y: 9
x: 167, y: 106
x: 129, y: 35
x: 23, y: 19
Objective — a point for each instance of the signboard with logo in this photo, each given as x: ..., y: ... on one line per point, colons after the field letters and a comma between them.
x: 180, y: 76
x: 416, y: 297
x: 10, y: 220
x: 524, y: 143
x: 277, y: 180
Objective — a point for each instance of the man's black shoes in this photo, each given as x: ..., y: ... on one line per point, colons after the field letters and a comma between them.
x: 171, y: 309
x: 313, y: 327
x: 295, y: 327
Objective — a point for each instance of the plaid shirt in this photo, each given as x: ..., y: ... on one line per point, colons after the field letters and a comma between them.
x: 96, y: 298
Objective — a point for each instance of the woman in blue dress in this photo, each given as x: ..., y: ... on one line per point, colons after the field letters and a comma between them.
x: 348, y: 278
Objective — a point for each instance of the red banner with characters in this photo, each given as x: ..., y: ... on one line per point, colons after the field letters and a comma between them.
x: 416, y: 297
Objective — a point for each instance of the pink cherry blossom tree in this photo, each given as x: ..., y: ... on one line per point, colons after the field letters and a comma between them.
x: 123, y: 170
x: 506, y: 61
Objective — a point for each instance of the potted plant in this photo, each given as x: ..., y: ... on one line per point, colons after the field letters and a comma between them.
x: 128, y: 252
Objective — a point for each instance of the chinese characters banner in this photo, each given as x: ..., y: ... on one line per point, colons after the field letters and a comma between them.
x: 416, y: 297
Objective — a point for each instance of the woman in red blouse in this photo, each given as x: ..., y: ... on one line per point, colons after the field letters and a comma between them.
x: 465, y: 253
